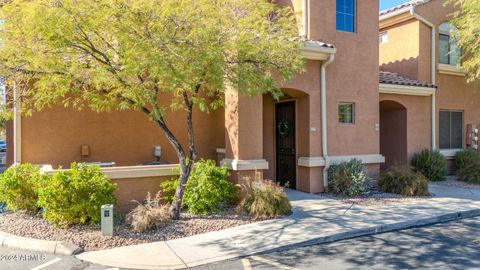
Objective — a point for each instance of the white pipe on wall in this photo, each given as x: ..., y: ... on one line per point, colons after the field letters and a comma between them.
x: 323, y: 96
x: 17, y: 127
x: 304, y: 18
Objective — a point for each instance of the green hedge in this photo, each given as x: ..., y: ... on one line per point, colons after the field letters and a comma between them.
x: 75, y: 196
x: 19, y: 186
x: 207, y: 188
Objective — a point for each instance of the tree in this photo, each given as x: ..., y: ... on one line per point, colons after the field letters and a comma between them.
x: 121, y: 54
x: 467, y: 20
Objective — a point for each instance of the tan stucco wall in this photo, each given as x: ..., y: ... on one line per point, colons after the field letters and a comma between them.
x: 400, y: 53
x: 136, y: 189
x: 453, y: 92
x: 54, y: 136
x: 418, y: 120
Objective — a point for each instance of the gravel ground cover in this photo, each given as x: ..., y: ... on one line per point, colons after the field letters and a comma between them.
x: 90, y: 238
x: 453, y: 182
x: 374, y: 197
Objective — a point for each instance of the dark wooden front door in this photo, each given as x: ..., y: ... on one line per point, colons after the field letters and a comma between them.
x: 285, y: 143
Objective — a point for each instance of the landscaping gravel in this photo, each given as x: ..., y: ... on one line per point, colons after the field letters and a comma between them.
x: 453, y: 182
x: 90, y: 238
x: 374, y: 197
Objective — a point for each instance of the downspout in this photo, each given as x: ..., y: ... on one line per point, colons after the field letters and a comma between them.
x: 304, y: 18
x: 433, y: 72
x: 17, y: 127
x: 323, y: 96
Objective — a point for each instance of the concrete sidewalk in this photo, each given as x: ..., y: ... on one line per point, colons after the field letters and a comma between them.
x: 315, y: 220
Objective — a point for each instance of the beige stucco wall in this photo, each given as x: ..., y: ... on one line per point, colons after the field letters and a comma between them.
x: 54, y: 136
x: 418, y: 120
x: 453, y: 92
x: 400, y: 53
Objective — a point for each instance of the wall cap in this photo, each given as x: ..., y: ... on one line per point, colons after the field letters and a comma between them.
x: 320, y: 161
x: 450, y: 70
x: 245, y: 165
x: 123, y: 172
x: 396, y: 89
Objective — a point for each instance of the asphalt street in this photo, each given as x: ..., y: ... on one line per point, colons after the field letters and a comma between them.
x: 454, y: 245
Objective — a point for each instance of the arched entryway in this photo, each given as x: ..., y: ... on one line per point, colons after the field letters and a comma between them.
x: 393, y: 133
x: 285, y: 131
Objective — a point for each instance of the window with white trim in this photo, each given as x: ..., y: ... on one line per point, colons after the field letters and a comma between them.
x: 451, y: 129
x: 345, y: 15
x: 449, y: 52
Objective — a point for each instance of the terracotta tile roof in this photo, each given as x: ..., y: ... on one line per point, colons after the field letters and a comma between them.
x: 395, y: 78
x: 320, y: 43
x: 407, y: 4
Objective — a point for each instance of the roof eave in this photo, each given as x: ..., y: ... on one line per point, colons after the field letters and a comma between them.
x: 396, y: 17
x: 313, y: 51
x: 399, y: 89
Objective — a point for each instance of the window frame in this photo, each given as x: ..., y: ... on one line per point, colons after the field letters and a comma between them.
x: 452, y: 44
x: 354, y: 15
x: 352, y: 116
x: 450, y: 129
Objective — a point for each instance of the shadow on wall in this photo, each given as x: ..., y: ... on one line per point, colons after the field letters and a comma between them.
x: 393, y: 134
x: 405, y: 67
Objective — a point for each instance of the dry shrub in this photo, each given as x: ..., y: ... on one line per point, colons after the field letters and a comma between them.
x: 264, y: 199
x: 148, y: 216
x: 404, y: 181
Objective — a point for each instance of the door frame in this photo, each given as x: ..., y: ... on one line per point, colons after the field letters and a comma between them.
x: 294, y: 100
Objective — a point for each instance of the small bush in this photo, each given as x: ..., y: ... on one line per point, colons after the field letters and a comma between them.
x: 75, y: 196
x: 430, y: 163
x: 207, y: 188
x: 470, y: 173
x: 348, y: 178
x: 19, y: 187
x: 404, y: 181
x: 465, y: 157
x: 265, y: 199
x: 148, y: 216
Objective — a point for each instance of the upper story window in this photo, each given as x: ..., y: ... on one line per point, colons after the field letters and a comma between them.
x: 449, y: 52
x: 383, y: 38
x: 346, y: 15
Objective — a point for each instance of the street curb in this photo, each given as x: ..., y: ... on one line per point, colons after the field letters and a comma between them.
x: 25, y: 243
x: 379, y: 229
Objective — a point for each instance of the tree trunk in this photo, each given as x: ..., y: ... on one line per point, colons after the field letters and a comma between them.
x: 176, y: 206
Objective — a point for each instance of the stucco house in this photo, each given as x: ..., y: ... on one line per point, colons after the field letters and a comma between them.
x: 435, y: 107
x: 338, y: 109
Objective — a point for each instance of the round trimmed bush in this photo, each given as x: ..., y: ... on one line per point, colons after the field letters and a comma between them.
x: 19, y: 187
x: 430, y: 163
x: 404, y: 181
x: 75, y: 196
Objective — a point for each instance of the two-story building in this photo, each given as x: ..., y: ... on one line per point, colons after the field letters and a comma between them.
x: 425, y: 100
x: 328, y: 114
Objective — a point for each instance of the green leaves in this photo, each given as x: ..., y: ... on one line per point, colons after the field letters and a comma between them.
x: 121, y: 54
x: 467, y: 20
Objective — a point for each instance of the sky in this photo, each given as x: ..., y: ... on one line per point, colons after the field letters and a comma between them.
x: 386, y: 4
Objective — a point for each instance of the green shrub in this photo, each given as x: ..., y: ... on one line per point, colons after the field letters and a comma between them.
x: 75, y: 196
x: 470, y: 173
x: 430, y: 163
x: 207, y: 188
x: 348, y: 178
x: 19, y: 187
x: 404, y: 181
x: 265, y: 199
x: 465, y: 157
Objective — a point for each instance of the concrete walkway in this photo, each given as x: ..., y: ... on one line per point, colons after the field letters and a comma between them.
x: 315, y: 220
